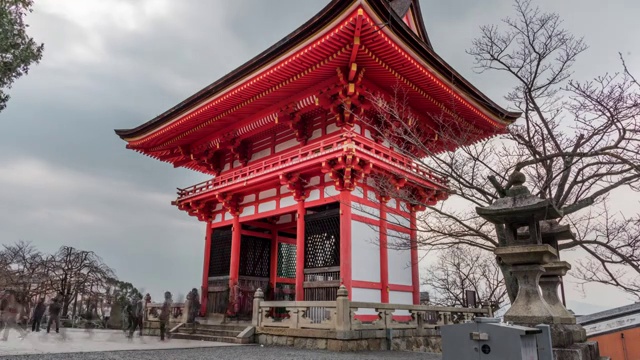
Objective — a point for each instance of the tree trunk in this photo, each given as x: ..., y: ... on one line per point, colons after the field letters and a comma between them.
x: 509, y: 280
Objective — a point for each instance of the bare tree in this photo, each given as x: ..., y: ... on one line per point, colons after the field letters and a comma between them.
x: 461, y: 268
x: 576, y: 142
x: 77, y: 273
x: 23, y: 269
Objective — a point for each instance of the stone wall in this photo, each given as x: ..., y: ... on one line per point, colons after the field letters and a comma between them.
x: 356, y: 340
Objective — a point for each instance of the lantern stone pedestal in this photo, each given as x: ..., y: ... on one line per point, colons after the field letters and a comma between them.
x: 549, y: 283
x: 531, y: 235
x: 529, y: 307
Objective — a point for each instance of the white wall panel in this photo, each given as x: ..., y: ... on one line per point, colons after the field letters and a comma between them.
x: 401, y: 297
x: 267, y: 194
x: 248, y: 210
x: 399, y: 261
x: 365, y: 252
x: 286, y: 145
x: 287, y: 201
x: 365, y: 295
x: 314, y: 195
x: 267, y: 206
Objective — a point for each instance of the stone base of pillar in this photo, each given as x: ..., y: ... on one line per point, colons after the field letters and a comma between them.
x: 549, y: 286
x: 529, y: 306
x: 581, y: 351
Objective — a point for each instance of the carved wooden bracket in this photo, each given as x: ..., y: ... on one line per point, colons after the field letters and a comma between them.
x: 349, y: 102
x: 203, y: 210
x: 231, y: 202
x: 241, y: 149
x: 426, y: 197
x: 347, y: 170
x: 301, y: 126
x: 211, y: 159
x: 295, y: 183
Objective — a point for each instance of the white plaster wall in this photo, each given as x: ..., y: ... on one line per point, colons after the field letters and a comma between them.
x: 358, y: 192
x: 399, y: 261
x: 228, y: 216
x: 314, y: 181
x: 401, y: 297
x: 287, y: 201
x: 365, y: 295
x: 284, y: 189
x: 267, y: 206
x: 314, y: 195
x: 286, y: 145
x: 365, y: 252
x: 331, y: 191
x: 399, y: 220
x: 331, y: 128
x: 260, y: 154
x: 248, y: 199
x: 217, y: 218
x: 365, y: 210
x: 316, y: 134
x: 267, y: 194
x: 367, y: 134
x: 248, y: 210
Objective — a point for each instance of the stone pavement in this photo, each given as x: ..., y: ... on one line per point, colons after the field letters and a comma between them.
x: 78, y: 340
x: 77, y: 344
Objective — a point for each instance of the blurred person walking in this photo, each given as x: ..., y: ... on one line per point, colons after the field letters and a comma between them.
x: 165, y: 314
x: 38, y: 313
x: 54, y: 315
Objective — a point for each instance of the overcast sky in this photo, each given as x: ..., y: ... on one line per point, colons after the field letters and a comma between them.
x: 67, y: 179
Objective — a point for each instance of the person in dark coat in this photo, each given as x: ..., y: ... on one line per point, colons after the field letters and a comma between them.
x: 38, y: 313
x: 137, y: 315
x: 165, y: 314
x: 54, y: 315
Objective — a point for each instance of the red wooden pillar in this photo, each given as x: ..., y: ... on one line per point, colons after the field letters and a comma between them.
x: 345, y: 239
x: 415, y: 271
x: 384, y: 253
x: 274, y: 257
x: 234, y: 268
x: 205, y: 269
x: 300, y: 252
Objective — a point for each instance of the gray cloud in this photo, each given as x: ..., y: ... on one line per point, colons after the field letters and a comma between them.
x: 65, y: 178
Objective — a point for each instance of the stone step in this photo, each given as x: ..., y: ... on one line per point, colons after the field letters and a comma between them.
x: 201, y: 337
x: 224, y: 327
x: 212, y: 332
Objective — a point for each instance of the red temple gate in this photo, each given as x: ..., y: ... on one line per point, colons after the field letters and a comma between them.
x: 292, y: 205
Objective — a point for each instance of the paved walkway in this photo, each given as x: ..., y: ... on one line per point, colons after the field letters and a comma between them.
x: 75, y: 344
x: 76, y: 340
x: 247, y: 352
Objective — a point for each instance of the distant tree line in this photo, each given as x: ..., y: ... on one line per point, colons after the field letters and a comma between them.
x: 79, y: 278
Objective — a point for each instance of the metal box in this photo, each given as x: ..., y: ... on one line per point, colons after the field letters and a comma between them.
x: 488, y: 339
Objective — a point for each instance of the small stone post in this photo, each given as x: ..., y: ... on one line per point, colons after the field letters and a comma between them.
x: 258, y: 297
x: 343, y: 310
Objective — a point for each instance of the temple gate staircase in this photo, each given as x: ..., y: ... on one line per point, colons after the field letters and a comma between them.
x: 233, y: 333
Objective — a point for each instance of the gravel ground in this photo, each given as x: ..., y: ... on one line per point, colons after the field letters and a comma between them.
x: 249, y: 352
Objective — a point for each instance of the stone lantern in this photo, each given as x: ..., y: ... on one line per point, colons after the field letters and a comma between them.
x: 552, y: 233
x: 525, y: 255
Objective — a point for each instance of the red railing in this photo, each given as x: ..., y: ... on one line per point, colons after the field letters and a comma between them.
x: 308, y: 152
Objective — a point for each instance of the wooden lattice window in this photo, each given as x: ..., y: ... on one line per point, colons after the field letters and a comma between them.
x: 220, y: 254
x: 255, y: 256
x: 286, y: 260
x: 322, y: 239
